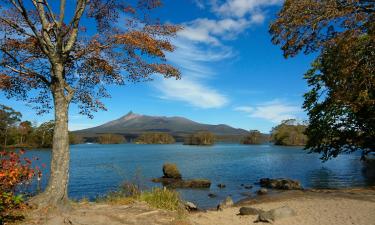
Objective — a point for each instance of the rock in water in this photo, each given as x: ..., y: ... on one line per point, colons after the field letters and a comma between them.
x: 249, y: 211
x: 221, y: 185
x: 262, y: 191
x: 228, y: 202
x: 275, y: 214
x: 212, y: 195
x: 170, y: 170
x: 280, y: 183
x: 190, y: 206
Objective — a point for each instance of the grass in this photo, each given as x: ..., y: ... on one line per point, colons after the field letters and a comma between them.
x: 161, y: 198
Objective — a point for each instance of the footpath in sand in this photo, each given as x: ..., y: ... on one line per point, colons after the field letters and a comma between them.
x: 345, y: 207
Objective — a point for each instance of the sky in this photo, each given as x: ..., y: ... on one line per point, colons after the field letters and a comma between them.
x: 231, y: 72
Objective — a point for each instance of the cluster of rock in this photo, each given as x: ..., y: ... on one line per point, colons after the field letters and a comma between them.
x: 280, y: 183
x: 172, y: 178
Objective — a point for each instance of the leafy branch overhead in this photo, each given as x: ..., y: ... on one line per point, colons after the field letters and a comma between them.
x: 39, y: 36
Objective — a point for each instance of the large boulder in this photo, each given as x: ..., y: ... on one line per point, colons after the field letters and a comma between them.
x: 170, y: 170
x: 275, y: 214
x: 228, y: 202
x: 280, y: 183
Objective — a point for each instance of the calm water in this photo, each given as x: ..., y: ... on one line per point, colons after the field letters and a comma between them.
x: 96, y: 169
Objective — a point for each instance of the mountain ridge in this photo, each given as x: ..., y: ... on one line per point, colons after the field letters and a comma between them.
x: 135, y: 124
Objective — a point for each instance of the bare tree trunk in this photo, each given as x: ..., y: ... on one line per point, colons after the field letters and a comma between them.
x: 56, y: 192
x: 6, y: 137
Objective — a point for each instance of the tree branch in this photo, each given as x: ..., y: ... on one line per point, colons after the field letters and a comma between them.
x: 81, y: 4
x: 44, y: 79
x: 25, y: 15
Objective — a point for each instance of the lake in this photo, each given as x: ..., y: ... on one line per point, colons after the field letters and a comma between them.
x: 96, y: 169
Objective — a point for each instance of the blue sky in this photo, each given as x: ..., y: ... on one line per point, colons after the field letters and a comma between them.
x: 231, y: 72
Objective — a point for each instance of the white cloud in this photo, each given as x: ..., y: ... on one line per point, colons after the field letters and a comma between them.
x: 200, y: 44
x: 241, y: 8
x: 192, y: 92
x: 199, y: 4
x: 274, y: 111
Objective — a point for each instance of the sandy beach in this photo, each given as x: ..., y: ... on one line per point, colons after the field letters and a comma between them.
x: 312, y: 207
x: 346, y: 207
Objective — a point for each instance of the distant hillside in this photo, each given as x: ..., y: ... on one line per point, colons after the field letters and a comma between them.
x: 132, y: 125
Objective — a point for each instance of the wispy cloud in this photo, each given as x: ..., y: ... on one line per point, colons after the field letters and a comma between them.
x: 192, y: 92
x: 201, y: 44
x: 274, y: 111
x: 241, y: 8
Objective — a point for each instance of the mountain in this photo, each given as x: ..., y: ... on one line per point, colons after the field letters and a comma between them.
x: 133, y: 124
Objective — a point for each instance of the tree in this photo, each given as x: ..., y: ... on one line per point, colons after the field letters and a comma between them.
x: 340, y: 103
x: 255, y: 137
x: 24, y: 128
x: 43, y: 135
x: 8, y: 118
x: 47, y: 55
x: 289, y: 133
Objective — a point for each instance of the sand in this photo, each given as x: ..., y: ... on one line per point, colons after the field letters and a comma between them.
x: 314, y: 207
x: 332, y: 208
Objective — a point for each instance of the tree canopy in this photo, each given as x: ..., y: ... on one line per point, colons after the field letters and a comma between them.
x: 340, y: 102
x: 54, y: 53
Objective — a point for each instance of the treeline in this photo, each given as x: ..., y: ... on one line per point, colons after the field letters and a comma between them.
x: 155, y: 138
x: 111, y: 139
x: 200, y: 138
x: 289, y: 133
x: 17, y: 133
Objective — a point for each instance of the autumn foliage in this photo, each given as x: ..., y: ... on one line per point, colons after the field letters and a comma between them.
x: 15, y: 170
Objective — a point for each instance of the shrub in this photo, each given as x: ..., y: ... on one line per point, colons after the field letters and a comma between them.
x: 14, y: 172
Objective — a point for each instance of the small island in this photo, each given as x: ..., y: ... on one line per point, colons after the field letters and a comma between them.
x: 155, y: 138
x: 289, y: 133
x: 200, y: 138
x: 254, y: 137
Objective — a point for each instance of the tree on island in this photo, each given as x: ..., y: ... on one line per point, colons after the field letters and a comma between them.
x: 341, y: 100
x: 200, y: 138
x: 289, y: 133
x: 255, y: 137
x: 111, y: 139
x: 48, y: 56
x: 155, y: 138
